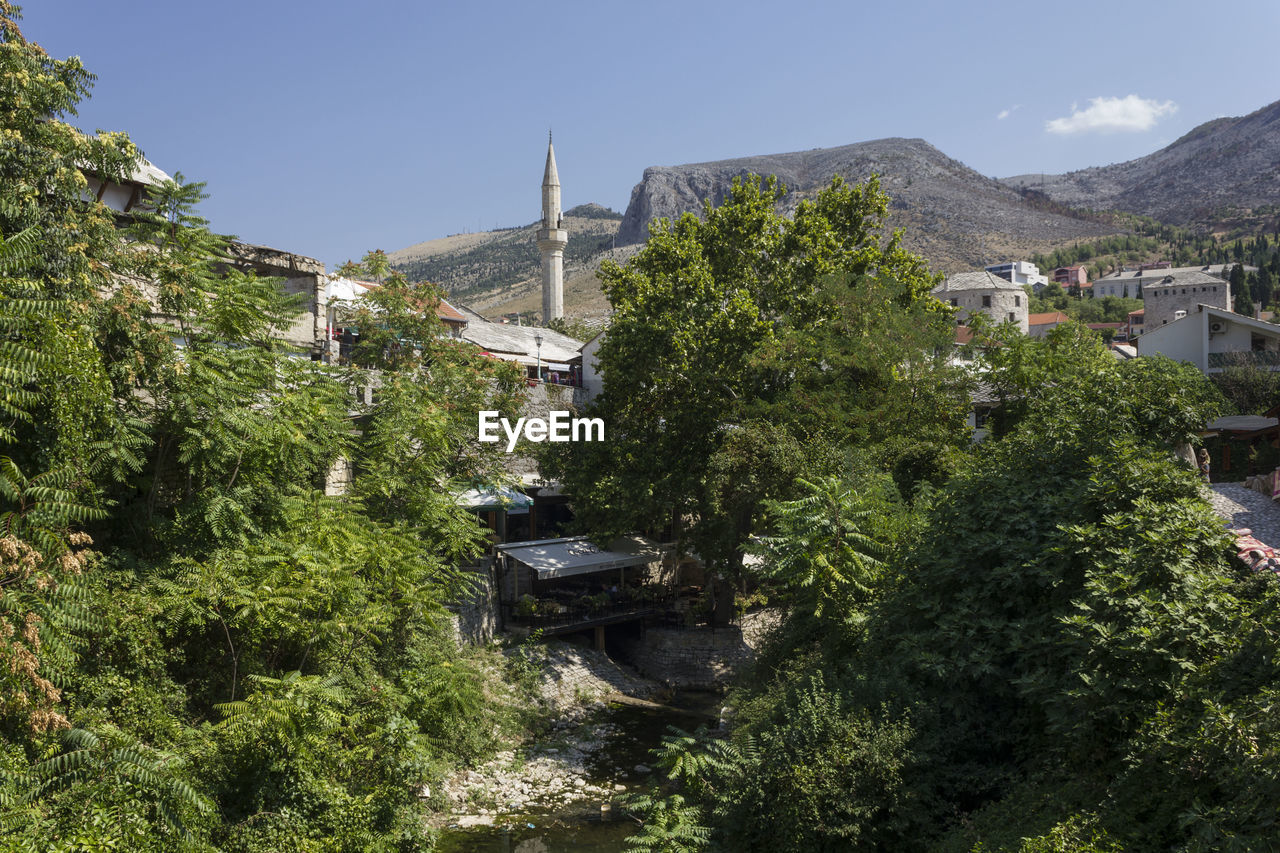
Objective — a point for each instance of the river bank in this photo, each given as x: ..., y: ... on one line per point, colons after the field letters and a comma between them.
x: 562, y: 788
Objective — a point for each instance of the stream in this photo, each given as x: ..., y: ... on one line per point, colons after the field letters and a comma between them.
x: 625, y: 735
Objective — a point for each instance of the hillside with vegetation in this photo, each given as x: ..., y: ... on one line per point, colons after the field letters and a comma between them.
x: 489, y: 269
x: 1148, y: 241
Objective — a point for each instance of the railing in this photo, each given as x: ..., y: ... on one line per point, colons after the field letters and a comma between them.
x: 1265, y: 358
x: 664, y: 612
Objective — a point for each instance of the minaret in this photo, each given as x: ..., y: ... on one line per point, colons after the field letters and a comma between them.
x: 551, y: 241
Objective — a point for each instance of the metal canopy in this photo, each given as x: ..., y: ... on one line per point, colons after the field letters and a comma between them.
x: 560, y: 558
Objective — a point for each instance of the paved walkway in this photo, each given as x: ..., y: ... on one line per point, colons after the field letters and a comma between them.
x: 1243, y: 507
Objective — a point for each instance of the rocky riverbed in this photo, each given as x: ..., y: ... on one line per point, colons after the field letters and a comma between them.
x: 575, y: 767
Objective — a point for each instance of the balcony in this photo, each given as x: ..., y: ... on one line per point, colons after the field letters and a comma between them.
x: 1263, y: 358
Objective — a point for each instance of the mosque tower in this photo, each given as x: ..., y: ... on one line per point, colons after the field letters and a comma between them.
x: 551, y: 241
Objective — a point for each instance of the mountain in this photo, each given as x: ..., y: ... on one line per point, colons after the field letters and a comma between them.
x: 1220, y: 168
x: 490, y: 270
x: 953, y: 216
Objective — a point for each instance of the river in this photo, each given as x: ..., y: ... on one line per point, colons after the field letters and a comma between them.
x: 630, y: 732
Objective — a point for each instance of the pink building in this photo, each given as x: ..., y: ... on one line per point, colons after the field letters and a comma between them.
x: 1068, y: 276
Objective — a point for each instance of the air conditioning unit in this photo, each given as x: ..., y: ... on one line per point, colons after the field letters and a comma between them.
x: 1217, y: 327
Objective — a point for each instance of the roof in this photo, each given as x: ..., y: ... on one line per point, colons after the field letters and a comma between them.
x: 576, y: 555
x: 1175, y: 278
x: 145, y: 172
x: 1047, y: 318
x: 964, y: 335
x: 506, y: 340
x: 980, y: 280
x: 1215, y: 270
x: 1243, y: 423
x: 550, y: 178
x: 445, y: 311
x: 1141, y: 312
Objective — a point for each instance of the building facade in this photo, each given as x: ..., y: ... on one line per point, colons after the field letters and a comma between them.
x: 1172, y: 297
x: 1129, y: 283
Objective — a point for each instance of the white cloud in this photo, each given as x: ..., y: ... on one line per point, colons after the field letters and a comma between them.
x: 1107, y: 115
x: 1004, y: 114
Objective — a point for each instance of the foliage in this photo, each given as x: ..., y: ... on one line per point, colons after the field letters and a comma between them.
x: 820, y: 548
x: 1250, y: 389
x: 743, y: 318
x: 244, y: 663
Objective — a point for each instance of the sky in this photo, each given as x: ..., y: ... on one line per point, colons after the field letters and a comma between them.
x: 329, y: 129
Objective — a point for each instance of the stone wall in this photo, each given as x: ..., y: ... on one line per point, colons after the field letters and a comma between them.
x: 699, y: 658
x: 475, y: 618
x: 1163, y: 299
x: 692, y: 658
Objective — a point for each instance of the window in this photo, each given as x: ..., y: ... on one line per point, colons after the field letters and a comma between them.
x: 1012, y: 319
x: 986, y: 302
x: 953, y: 302
x: 1017, y: 302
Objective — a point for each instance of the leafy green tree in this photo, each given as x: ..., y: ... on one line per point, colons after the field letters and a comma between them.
x: 377, y: 264
x: 717, y: 323
x: 820, y: 550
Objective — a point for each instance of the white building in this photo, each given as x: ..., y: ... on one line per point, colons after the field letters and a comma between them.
x: 1020, y: 272
x: 972, y: 292
x: 1212, y: 338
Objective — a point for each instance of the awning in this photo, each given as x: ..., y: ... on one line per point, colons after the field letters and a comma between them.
x: 512, y: 501
x: 560, y: 558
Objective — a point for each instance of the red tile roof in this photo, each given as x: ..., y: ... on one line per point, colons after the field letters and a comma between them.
x: 1047, y: 318
x: 448, y: 313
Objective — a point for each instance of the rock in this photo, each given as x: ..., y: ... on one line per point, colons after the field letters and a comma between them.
x: 619, y: 787
x: 642, y: 769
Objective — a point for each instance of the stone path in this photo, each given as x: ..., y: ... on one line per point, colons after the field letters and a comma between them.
x: 1243, y: 507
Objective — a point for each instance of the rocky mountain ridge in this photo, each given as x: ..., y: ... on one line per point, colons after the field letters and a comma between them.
x: 1222, y: 164
x: 954, y: 216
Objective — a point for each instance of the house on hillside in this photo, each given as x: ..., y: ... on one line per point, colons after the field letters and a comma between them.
x: 1073, y: 275
x: 986, y: 293
x: 546, y: 355
x: 1213, y: 338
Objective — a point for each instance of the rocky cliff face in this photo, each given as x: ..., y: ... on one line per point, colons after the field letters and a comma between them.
x: 1227, y: 162
x: 954, y: 216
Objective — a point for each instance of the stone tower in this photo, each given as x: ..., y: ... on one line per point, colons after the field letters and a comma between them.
x: 551, y: 241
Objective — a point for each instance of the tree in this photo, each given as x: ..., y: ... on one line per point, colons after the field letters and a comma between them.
x: 745, y: 316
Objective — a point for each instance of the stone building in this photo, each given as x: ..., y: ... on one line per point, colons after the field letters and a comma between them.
x: 973, y: 292
x: 1131, y: 283
x: 1175, y: 296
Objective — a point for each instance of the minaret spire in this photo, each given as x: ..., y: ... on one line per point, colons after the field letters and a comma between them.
x: 551, y: 240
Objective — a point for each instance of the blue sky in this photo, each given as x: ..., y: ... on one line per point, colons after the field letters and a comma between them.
x: 329, y: 128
